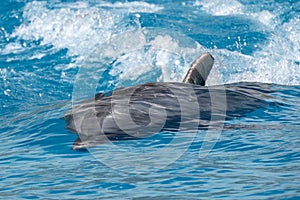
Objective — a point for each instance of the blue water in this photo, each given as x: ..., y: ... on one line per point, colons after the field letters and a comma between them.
x: 46, y: 47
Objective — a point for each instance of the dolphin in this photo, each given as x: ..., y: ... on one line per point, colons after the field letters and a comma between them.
x: 139, y: 111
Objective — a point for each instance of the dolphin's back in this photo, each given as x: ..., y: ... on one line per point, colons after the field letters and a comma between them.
x: 139, y: 111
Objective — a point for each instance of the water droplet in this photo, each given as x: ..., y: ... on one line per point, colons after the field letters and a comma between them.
x: 7, y: 92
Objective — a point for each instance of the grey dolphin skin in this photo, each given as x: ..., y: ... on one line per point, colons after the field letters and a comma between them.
x: 139, y: 111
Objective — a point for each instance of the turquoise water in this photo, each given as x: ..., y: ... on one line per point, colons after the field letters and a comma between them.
x: 46, y: 47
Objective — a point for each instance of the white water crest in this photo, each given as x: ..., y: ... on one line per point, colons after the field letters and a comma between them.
x: 276, y: 61
x: 81, y: 27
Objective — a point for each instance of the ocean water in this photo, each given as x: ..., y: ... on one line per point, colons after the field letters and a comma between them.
x: 55, y: 53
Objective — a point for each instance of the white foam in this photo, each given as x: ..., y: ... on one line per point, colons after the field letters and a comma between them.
x: 234, y: 7
x: 65, y: 27
x: 220, y: 7
x: 37, y: 56
x: 81, y: 27
x: 275, y: 62
x: 265, y: 17
x: 133, y: 7
x: 158, y: 57
x: 12, y: 48
x: 293, y: 29
x: 78, y: 27
x: 132, y: 65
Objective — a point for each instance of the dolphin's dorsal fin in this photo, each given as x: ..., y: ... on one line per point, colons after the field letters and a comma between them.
x: 199, y: 70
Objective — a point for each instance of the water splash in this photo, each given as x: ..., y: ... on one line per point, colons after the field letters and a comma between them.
x: 81, y: 27
x: 276, y: 61
x: 221, y: 8
x: 78, y: 27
